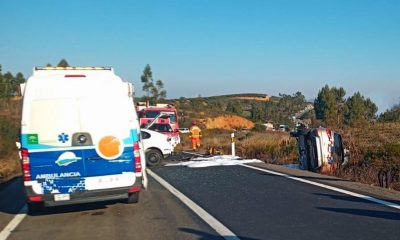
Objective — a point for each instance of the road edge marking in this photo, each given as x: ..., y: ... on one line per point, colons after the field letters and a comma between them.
x: 336, y: 189
x: 208, y: 218
x: 13, y: 224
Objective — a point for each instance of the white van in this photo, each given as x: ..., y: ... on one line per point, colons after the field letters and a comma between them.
x: 79, y: 137
x: 319, y: 148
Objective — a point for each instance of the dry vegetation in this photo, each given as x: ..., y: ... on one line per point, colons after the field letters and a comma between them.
x: 10, y: 113
x: 9, y: 167
x: 271, y: 147
x: 374, y: 150
x: 228, y: 122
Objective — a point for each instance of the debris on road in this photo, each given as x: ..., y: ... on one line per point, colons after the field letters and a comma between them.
x: 223, y: 160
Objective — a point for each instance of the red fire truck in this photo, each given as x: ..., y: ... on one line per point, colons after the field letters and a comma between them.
x: 162, y: 118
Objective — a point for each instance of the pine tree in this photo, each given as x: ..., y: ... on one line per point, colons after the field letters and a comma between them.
x: 359, y: 110
x: 63, y: 63
x: 235, y: 107
x: 153, y: 92
x: 329, y: 105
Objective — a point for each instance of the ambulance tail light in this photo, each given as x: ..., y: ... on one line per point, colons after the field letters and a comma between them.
x: 26, y: 167
x: 136, y: 150
x: 134, y: 189
x: 35, y: 198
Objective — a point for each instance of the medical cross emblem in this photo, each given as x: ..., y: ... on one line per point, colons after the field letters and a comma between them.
x: 63, y: 137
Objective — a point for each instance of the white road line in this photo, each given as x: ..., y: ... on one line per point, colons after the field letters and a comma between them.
x: 210, y: 220
x: 365, y: 197
x: 5, y: 233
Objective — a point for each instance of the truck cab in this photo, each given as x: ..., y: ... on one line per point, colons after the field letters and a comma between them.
x: 162, y: 119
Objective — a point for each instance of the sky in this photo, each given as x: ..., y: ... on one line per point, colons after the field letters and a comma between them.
x: 215, y: 47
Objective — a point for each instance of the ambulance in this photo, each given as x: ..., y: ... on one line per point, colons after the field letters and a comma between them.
x: 80, y: 137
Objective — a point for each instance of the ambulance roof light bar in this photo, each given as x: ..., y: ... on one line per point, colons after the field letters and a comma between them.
x: 73, y: 68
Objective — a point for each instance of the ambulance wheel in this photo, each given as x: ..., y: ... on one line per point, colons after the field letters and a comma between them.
x: 154, y: 157
x: 35, y: 207
x: 133, y: 197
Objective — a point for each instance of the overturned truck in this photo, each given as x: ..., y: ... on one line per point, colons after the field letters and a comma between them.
x: 320, y: 149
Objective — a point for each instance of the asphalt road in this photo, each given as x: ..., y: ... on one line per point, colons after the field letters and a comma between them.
x: 11, y: 200
x: 158, y: 215
x: 251, y: 203
x: 258, y: 205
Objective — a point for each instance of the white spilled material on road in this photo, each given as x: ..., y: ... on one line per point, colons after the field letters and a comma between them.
x: 208, y: 218
x: 222, y: 160
x: 5, y: 233
x: 365, y: 197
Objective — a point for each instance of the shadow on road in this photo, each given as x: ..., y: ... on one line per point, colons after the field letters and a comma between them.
x: 77, y: 208
x: 12, y: 196
x: 353, y: 199
x: 207, y: 236
x: 366, y: 213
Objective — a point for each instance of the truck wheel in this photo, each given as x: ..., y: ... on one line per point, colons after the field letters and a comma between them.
x: 153, y: 157
x: 133, y: 197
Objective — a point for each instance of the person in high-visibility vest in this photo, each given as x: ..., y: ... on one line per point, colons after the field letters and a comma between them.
x: 195, y: 135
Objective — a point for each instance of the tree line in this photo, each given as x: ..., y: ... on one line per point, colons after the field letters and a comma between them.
x: 334, y: 109
x: 9, y: 84
x: 391, y: 115
x: 331, y: 108
x: 279, y: 110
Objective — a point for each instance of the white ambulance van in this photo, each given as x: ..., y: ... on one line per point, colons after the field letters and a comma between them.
x: 79, y: 137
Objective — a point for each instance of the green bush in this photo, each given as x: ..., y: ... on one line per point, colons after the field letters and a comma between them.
x: 393, y: 149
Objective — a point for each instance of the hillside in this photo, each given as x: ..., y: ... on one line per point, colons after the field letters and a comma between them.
x: 258, y: 108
